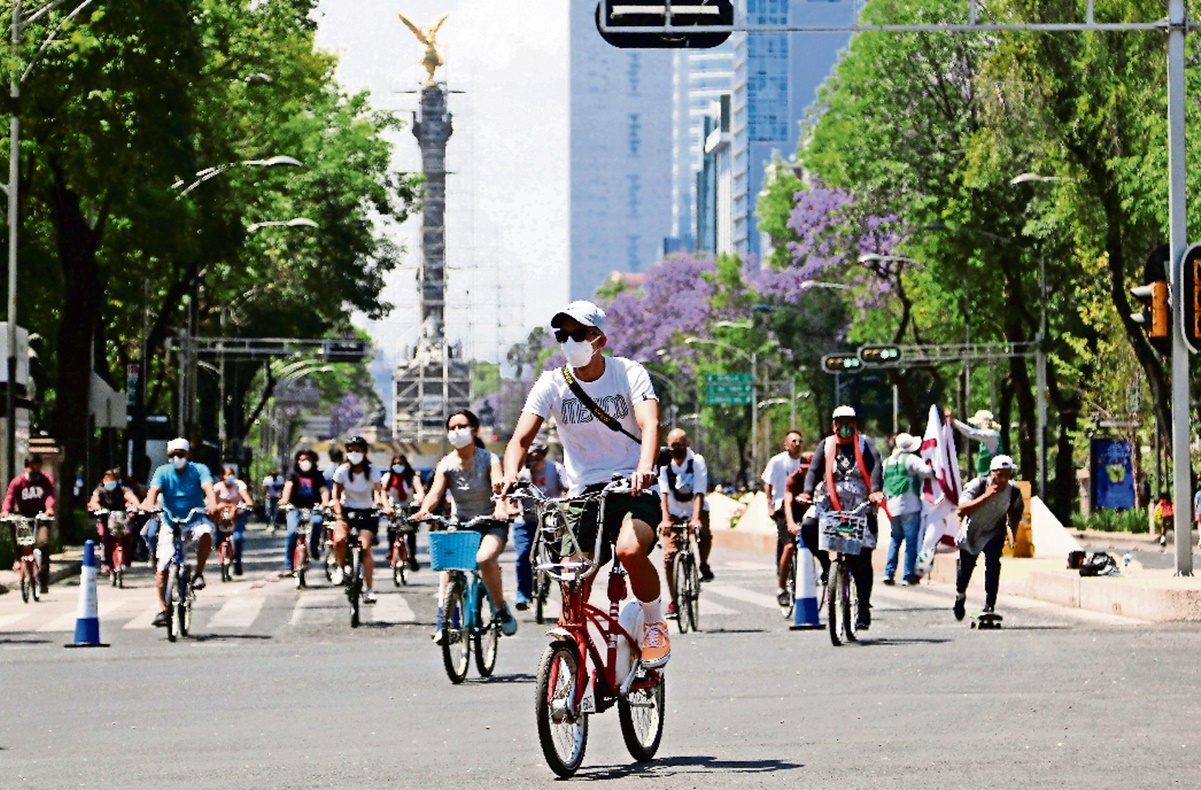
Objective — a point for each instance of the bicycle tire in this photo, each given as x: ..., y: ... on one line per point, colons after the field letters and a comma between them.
x: 172, y: 603
x: 25, y: 582
x: 834, y: 603
x: 850, y: 597
x: 354, y: 590
x: 641, y: 715
x: 398, y: 568
x: 563, y: 737
x: 790, y: 588
x: 541, y: 593
x: 184, y: 611
x: 694, y: 594
x: 678, y: 575
x: 300, y: 562
x: 456, y: 645
x: 330, y: 564
x: 118, y: 566
x: 486, y: 638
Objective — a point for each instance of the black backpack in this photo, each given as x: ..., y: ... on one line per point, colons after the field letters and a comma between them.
x: 671, y: 481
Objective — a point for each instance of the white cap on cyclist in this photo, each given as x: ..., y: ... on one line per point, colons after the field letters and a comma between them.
x: 1000, y: 462
x: 844, y: 412
x: 176, y: 445
x: 908, y: 443
x: 583, y: 311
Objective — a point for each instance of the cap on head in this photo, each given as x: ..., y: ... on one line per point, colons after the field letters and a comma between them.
x: 585, y: 312
x: 356, y: 441
x: 179, y: 445
x: 537, y: 448
x: 1000, y: 462
x: 844, y: 413
x: 982, y: 419
x: 908, y: 443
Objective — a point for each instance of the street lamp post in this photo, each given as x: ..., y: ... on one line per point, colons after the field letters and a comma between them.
x: 754, y: 360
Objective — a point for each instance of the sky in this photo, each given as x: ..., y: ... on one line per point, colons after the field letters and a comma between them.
x: 506, y: 214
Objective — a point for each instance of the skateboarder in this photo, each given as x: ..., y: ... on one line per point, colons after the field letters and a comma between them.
x: 987, y: 504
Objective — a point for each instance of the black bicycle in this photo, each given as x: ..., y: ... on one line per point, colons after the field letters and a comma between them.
x: 353, y: 575
x: 842, y: 533
x: 686, y: 578
x: 180, y: 595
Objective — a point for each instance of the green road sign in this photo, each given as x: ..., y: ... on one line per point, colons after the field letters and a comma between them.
x: 719, y: 378
x: 728, y: 400
x: 729, y: 389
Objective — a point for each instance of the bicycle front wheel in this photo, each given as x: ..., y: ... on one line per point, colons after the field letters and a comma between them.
x: 486, y: 638
x: 693, y: 595
x: 641, y: 715
x: 28, y: 582
x: 790, y: 588
x: 183, y: 611
x: 541, y: 593
x: 850, y: 596
x: 562, y: 732
x: 173, y: 604
x: 680, y: 576
x: 354, y: 590
x: 836, y: 605
x: 456, y: 644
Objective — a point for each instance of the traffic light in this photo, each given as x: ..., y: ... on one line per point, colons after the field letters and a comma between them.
x: 841, y: 363
x: 1190, y: 312
x: 612, y: 15
x: 879, y: 355
x: 1155, y: 318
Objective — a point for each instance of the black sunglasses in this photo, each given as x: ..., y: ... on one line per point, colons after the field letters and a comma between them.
x: 578, y: 335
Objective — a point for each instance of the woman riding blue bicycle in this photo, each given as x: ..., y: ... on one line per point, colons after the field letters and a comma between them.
x: 468, y: 475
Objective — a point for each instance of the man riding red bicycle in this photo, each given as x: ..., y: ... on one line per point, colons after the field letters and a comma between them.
x: 30, y: 494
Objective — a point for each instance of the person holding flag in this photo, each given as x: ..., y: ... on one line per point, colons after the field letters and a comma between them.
x: 940, y: 495
x: 904, y: 471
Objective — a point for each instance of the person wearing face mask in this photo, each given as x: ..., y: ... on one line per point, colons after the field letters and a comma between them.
x: 402, y: 486
x: 607, y: 415
x: 184, y: 486
x: 304, y: 488
x: 683, y: 481
x: 273, y: 487
x: 357, y: 492
x: 31, y: 493
x: 548, y: 476
x: 112, y: 496
x: 468, y: 475
x: 845, y: 472
x: 775, y: 482
x: 232, y: 492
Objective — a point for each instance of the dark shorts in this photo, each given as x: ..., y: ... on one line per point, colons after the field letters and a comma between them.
x: 782, y: 534
x: 362, y: 520
x: 584, y: 518
x: 499, y: 529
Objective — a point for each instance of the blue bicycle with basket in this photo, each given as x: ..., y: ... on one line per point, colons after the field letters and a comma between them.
x: 465, y: 600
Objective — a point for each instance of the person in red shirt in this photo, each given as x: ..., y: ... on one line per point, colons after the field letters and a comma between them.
x: 31, y: 493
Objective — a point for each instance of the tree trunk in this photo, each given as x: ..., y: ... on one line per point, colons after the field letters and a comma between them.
x: 83, y: 297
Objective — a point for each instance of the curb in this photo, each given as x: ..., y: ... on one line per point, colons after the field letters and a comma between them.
x: 60, y: 568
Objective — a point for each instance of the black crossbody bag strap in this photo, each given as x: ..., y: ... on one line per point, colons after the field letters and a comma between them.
x: 609, y: 422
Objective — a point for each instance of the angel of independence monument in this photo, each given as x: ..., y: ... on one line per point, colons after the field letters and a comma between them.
x: 435, y: 380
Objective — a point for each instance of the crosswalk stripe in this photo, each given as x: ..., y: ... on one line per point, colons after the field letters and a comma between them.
x: 711, y: 607
x: 743, y: 594
x: 392, y: 608
x: 66, y: 622
x: 144, y: 620
x: 10, y: 619
x: 238, y: 612
x: 317, y: 607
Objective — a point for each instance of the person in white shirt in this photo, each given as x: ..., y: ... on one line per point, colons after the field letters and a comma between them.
x: 616, y: 434
x: 357, y: 491
x: 683, y: 481
x: 273, y: 488
x: 775, y: 476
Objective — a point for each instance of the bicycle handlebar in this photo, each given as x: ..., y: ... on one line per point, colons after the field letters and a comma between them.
x: 35, y: 517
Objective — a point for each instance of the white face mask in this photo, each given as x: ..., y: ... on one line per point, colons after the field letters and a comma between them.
x: 355, y: 457
x: 180, y: 462
x: 305, y: 466
x: 460, y: 437
x: 579, y: 353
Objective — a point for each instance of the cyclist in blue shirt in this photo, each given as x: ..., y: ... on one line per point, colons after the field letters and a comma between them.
x: 184, y: 485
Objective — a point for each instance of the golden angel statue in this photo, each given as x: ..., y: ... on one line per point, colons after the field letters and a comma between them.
x: 429, y: 37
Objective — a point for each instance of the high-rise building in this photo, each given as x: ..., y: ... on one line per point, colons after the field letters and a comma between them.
x: 620, y: 160
x: 776, y: 77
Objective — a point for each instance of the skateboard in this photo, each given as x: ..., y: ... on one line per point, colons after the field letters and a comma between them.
x: 987, y: 620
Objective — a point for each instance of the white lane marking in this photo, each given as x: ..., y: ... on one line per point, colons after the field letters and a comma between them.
x: 143, y: 620
x: 238, y: 612
x: 391, y: 608
x: 711, y: 607
x: 66, y: 622
x: 7, y: 620
x: 316, y: 607
x: 742, y: 594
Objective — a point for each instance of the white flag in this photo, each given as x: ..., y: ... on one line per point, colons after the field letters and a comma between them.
x: 940, y: 496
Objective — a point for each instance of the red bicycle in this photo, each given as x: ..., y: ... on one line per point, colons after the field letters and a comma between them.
x: 568, y: 691
x: 30, y: 557
x: 117, y: 524
x: 227, y: 519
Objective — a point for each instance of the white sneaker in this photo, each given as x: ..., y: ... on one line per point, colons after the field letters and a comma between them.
x: 369, y: 596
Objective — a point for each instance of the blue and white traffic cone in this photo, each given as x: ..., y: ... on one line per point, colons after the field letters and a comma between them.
x: 805, y: 613
x: 87, y: 618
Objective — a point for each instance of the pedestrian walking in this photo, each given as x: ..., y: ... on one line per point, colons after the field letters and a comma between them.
x: 987, y: 505
x: 903, y: 472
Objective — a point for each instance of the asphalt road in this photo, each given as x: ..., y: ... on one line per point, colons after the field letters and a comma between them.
x: 276, y: 690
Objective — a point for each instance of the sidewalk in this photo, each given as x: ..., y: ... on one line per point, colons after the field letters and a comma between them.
x: 62, y: 566
x: 1142, y: 593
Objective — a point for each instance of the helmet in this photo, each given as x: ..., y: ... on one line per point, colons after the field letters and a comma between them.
x: 844, y: 412
x: 356, y: 439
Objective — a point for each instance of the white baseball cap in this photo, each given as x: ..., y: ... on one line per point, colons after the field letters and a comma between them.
x: 583, y: 311
x: 844, y: 411
x: 982, y: 419
x: 908, y: 443
x: 1000, y: 462
x: 179, y: 444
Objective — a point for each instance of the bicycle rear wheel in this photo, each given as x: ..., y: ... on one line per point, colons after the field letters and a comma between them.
x: 456, y: 645
x: 694, y: 593
x: 399, y: 560
x: 486, y: 637
x: 354, y: 590
x: 641, y: 715
x: 680, y: 575
x: 28, y: 583
x: 790, y: 588
x: 118, y: 570
x: 835, y: 604
x: 562, y: 734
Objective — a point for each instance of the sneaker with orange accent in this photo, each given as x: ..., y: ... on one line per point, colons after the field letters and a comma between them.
x: 656, y: 645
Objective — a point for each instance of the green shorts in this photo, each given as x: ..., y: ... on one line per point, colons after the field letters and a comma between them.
x: 584, y: 518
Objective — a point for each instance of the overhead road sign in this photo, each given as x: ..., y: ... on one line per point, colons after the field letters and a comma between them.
x: 679, y: 24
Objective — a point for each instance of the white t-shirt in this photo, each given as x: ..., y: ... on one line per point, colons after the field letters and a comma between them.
x: 357, y: 493
x: 692, y: 484
x: 776, y: 474
x: 274, y: 486
x: 593, y: 453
